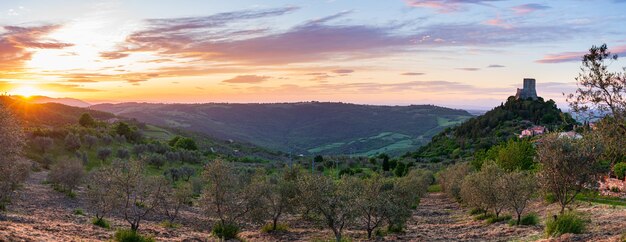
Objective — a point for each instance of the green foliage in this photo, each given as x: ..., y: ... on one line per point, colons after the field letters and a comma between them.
x: 269, y: 227
x: 78, y: 211
x: 620, y: 170
x: 494, y: 127
x: 123, y: 129
x: 86, y: 120
x: 101, y: 222
x: 477, y: 211
x: 124, y: 235
x: 498, y: 219
x: 225, y: 231
x: 510, y: 156
x: 528, y: 219
x: 186, y: 143
x: 565, y: 223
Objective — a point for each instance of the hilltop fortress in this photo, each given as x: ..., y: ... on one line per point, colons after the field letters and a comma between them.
x: 528, y: 91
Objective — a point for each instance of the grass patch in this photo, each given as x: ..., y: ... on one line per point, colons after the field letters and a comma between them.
x: 528, y: 219
x: 79, y: 211
x: 477, y: 211
x: 434, y: 188
x: 268, y: 228
x: 502, y: 218
x: 225, y: 231
x: 593, y: 197
x: 170, y: 225
x: 484, y: 216
x: 125, y: 235
x: 568, y: 222
x: 101, y: 223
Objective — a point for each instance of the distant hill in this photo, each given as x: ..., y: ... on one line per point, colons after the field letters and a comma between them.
x: 304, y: 128
x: 66, y: 101
x: 55, y: 115
x: 35, y: 114
x: 495, y: 126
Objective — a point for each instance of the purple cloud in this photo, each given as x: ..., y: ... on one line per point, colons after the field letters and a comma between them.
x: 576, y: 56
x: 446, y: 6
x: 468, y: 69
x: 495, y: 66
x: 343, y: 71
x: 412, y: 74
x: 529, y: 8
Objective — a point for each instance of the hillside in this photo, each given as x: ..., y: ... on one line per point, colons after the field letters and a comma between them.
x: 35, y: 114
x: 303, y: 128
x: 497, y: 125
x: 55, y: 116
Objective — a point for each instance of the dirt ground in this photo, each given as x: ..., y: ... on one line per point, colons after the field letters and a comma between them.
x: 39, y: 213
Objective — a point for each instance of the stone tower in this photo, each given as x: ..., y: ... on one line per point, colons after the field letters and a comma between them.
x: 528, y: 91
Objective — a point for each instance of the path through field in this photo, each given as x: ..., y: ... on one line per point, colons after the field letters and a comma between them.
x: 438, y: 218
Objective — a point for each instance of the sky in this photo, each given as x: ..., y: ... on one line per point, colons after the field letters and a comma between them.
x: 456, y: 53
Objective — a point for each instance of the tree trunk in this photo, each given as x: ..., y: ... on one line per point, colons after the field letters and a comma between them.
x: 519, y: 218
x: 275, y: 224
x: 369, y: 233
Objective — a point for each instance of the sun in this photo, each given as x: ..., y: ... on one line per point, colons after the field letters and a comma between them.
x: 27, y: 91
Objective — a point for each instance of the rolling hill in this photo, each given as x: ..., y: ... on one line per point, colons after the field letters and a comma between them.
x: 303, y: 128
x: 500, y: 124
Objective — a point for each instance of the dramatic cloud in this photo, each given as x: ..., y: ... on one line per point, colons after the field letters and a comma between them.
x: 16, y: 44
x: 412, y: 74
x: 529, y: 8
x: 247, y: 79
x: 577, y: 56
x: 446, y: 6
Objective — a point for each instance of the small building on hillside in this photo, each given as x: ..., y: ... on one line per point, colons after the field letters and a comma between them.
x: 533, y: 131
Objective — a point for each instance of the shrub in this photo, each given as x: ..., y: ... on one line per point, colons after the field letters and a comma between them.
x: 565, y: 223
x: 101, y: 222
x: 131, y: 236
x: 225, y: 231
x: 43, y: 143
x: 72, y: 142
x: 269, y: 227
x: 123, y: 154
x: 186, y: 143
x: 498, y: 219
x: 86, y: 120
x: 90, y: 140
x: 104, y: 153
x: 477, y: 211
x: 155, y: 160
x: 528, y: 219
x: 620, y: 170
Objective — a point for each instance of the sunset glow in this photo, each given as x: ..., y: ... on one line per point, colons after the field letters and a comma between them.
x: 27, y: 91
x: 376, y: 52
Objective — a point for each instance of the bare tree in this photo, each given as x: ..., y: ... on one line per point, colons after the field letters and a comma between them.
x: 372, y: 203
x: 13, y: 169
x: 567, y: 166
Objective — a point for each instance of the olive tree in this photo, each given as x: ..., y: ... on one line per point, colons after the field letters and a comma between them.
x: 225, y: 196
x: 67, y: 173
x: 277, y: 195
x: 100, y: 194
x: 334, y: 201
x: 602, y: 93
x: 43, y: 143
x: 13, y: 169
x: 72, y: 142
x: 484, y: 189
x: 568, y: 165
x: 138, y: 194
x: 518, y: 188
x: 173, y: 199
x: 452, y: 177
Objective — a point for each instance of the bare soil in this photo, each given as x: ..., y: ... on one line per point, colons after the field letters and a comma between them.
x: 39, y: 213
